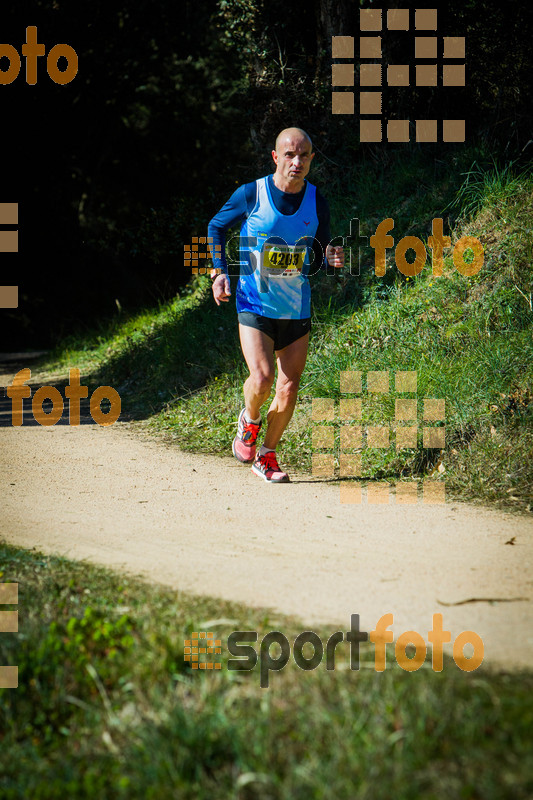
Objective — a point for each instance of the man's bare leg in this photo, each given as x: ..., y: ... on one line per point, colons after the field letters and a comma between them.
x: 258, y: 352
x: 291, y: 364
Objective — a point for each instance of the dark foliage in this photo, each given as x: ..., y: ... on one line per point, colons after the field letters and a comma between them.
x: 173, y: 106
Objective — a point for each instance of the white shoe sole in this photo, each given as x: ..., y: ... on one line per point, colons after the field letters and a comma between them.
x: 267, y: 480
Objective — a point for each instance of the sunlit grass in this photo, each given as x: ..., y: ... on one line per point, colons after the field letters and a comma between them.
x: 468, y: 338
x: 107, y: 706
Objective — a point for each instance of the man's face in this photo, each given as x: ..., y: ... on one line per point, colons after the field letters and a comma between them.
x: 293, y: 157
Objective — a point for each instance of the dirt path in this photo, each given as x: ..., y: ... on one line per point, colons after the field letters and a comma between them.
x: 207, y: 525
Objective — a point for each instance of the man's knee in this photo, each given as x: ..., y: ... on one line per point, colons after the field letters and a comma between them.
x: 288, y: 390
x: 261, y: 381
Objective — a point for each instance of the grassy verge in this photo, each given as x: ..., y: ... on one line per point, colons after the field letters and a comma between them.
x: 468, y: 338
x: 107, y: 707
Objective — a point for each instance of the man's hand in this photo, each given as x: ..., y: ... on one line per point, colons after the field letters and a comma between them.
x: 335, y: 256
x: 221, y: 289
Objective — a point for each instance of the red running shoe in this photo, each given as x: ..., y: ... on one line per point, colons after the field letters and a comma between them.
x: 244, y: 443
x: 267, y: 468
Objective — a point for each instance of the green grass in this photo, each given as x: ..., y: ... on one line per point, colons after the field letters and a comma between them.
x: 489, y: 186
x: 107, y: 707
x: 179, y: 367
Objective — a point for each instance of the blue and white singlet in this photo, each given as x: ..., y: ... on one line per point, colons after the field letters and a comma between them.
x: 275, y: 252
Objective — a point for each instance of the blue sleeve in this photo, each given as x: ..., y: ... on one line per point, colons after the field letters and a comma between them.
x: 237, y: 208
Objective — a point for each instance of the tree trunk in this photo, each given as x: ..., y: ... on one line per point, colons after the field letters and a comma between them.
x: 334, y: 18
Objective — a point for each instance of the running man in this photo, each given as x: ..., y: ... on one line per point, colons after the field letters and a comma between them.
x: 284, y: 219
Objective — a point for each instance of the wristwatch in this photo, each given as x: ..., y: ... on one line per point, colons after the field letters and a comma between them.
x: 215, y: 273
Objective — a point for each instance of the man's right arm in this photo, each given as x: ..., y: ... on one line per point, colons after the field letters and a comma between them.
x: 237, y: 208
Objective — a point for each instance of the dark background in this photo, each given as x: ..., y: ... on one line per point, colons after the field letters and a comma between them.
x: 172, y: 107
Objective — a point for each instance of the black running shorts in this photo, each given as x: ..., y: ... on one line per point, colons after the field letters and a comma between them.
x: 282, y: 331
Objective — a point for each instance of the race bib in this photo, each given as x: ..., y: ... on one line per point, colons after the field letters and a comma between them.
x: 283, y: 260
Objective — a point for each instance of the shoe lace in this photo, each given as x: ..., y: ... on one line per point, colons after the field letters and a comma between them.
x: 249, y: 431
x: 271, y: 461
x: 250, y: 427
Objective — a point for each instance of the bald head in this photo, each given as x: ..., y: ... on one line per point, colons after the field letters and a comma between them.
x: 293, y: 133
x: 292, y: 157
